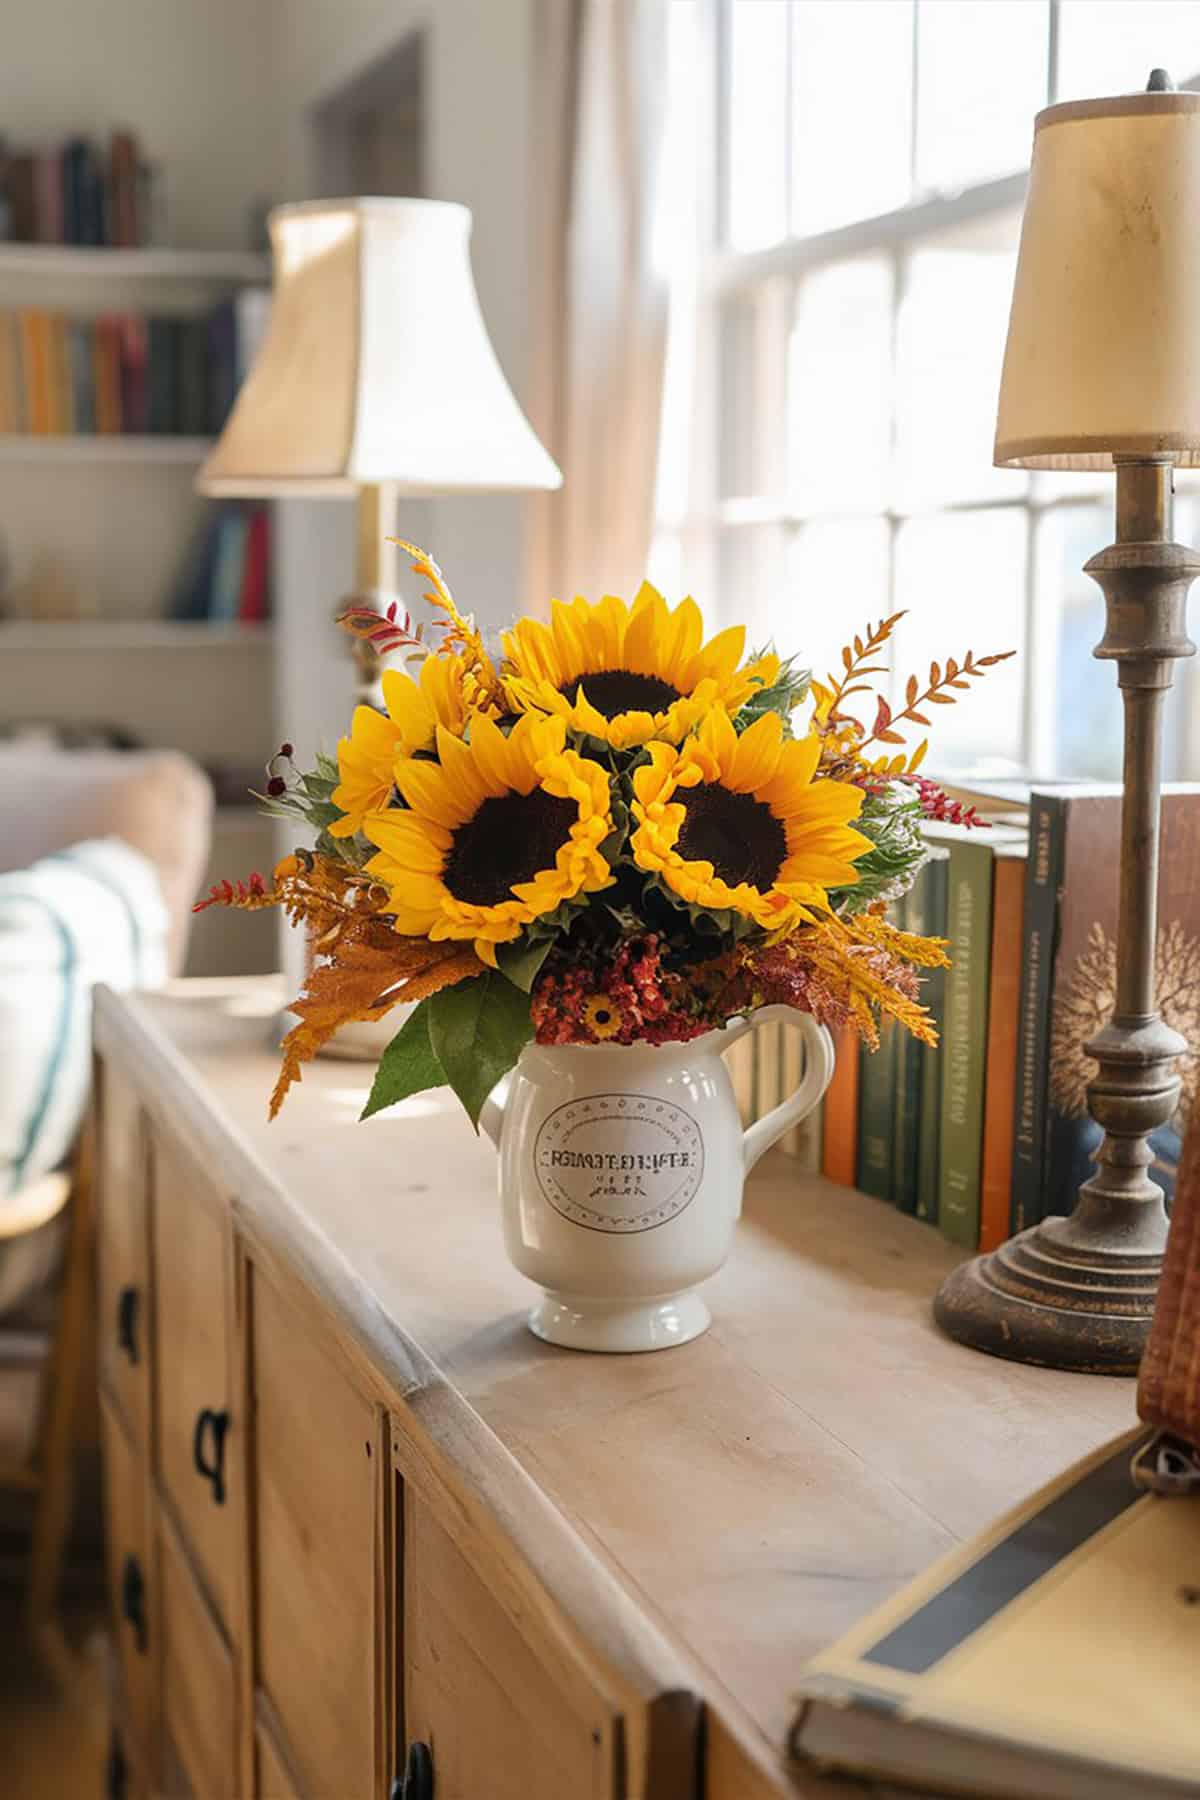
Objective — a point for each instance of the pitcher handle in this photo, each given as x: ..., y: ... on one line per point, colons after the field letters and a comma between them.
x: 818, y: 1073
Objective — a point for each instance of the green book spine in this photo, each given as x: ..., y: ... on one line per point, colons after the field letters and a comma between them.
x: 969, y: 928
x: 876, y: 1113
x: 910, y: 914
x: 933, y: 993
x: 1043, y: 876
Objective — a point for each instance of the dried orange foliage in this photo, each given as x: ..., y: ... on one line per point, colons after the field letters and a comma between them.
x: 374, y: 971
x: 858, y: 662
x: 365, y: 966
x: 463, y: 636
x: 860, y: 958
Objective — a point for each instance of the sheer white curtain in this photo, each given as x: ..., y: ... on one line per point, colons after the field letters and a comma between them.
x: 600, y: 309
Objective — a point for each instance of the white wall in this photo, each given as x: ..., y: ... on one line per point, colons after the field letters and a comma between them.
x: 478, y: 150
x: 189, y: 76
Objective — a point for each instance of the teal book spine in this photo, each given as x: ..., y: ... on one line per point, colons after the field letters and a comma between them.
x: 932, y: 1057
x: 1043, y: 877
x: 969, y: 928
x: 910, y: 916
x: 876, y: 1113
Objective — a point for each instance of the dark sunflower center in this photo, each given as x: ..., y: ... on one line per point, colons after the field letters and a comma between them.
x: 739, y: 835
x: 613, y: 691
x: 507, y: 842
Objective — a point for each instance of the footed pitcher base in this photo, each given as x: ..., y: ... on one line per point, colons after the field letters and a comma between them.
x: 619, y: 1326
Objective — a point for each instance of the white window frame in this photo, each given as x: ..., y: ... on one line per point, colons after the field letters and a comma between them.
x: 773, y: 274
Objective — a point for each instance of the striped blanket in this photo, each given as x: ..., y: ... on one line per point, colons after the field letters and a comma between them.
x: 89, y: 914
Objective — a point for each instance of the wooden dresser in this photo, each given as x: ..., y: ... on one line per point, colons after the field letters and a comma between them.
x: 361, y: 1522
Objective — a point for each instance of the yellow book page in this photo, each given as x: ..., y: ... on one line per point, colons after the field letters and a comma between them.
x: 1102, y: 1656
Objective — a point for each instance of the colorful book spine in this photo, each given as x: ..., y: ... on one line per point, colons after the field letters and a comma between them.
x: 254, y: 605
x: 932, y: 1057
x: 228, y: 572
x: 1043, y: 875
x: 83, y: 393
x: 839, y: 1151
x: 1004, y: 995
x: 876, y: 1112
x: 912, y: 914
x: 969, y: 918
x: 35, y: 367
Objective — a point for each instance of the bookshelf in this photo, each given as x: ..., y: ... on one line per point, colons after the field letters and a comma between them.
x: 222, y: 268
x: 104, y: 449
x: 61, y: 635
x: 113, y: 514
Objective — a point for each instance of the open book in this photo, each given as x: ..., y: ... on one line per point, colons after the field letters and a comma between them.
x: 1056, y: 1656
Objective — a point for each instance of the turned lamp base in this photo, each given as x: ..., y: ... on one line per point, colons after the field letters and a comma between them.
x: 1078, y: 1292
x: 1045, y: 1299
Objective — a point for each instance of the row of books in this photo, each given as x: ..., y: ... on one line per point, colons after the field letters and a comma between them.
x: 226, y: 572
x: 990, y: 1132
x: 124, y: 372
x: 80, y: 193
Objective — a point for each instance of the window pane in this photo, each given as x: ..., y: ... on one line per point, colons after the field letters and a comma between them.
x: 837, y: 583
x: 756, y: 126
x: 839, y: 387
x: 839, y: 171
x: 753, y: 354
x: 952, y: 326
x: 981, y: 76
x: 1087, y: 723
x: 1111, y: 49
x: 750, y: 578
x: 961, y: 580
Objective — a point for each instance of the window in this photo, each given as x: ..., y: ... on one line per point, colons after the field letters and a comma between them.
x: 842, y: 187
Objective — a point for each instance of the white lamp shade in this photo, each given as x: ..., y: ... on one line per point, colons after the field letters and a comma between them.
x: 1103, y: 352
x: 377, y: 366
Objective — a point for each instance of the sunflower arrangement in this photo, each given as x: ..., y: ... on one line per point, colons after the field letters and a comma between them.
x: 611, y: 831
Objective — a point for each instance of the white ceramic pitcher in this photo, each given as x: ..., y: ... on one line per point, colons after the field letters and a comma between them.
x: 621, y: 1171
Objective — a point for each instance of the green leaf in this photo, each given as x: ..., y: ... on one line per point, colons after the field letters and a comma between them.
x: 521, y: 962
x: 477, y: 1031
x: 407, y: 1066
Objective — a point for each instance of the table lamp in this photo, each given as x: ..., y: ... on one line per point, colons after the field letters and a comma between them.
x: 1102, y: 371
x: 376, y: 377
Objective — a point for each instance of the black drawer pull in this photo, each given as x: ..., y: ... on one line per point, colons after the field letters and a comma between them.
x: 133, y: 1600
x: 116, y: 1771
x: 214, y: 1425
x: 416, y: 1783
x: 127, y: 1319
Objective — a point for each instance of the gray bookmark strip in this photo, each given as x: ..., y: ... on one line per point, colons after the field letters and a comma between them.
x: 996, y: 1580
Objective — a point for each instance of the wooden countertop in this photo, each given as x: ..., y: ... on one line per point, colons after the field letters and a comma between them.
x: 756, y: 1491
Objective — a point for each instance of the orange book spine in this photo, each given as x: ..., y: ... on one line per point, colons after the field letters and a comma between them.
x: 35, y: 364
x: 1008, y: 943
x: 839, y: 1155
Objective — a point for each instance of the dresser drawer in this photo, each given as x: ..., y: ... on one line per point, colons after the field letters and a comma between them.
x: 130, y: 1578
x: 496, y: 1716
x: 199, y: 1694
x: 197, y: 1427
x: 317, y: 1486
x: 274, y: 1779
x: 124, y: 1324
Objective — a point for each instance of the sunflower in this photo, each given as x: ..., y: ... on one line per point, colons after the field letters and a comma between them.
x: 626, y: 674
x: 366, y: 759
x: 500, y: 831
x: 601, y: 1017
x: 738, y: 823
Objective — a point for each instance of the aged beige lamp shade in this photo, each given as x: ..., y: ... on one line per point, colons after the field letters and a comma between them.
x: 1103, y: 351
x: 377, y: 367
